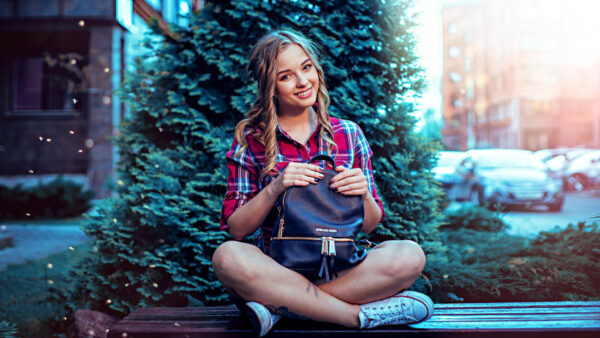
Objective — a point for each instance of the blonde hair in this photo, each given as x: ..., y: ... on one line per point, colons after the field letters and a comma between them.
x: 262, y: 66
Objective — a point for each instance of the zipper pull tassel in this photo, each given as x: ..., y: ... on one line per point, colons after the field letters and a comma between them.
x: 324, y: 246
x: 331, y: 247
x: 280, y: 232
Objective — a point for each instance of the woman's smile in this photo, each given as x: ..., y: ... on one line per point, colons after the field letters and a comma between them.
x: 305, y: 94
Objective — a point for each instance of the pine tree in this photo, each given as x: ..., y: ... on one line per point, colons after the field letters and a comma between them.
x: 156, y: 239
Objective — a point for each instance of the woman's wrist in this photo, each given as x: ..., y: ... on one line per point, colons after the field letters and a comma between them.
x: 366, y: 195
x: 274, y: 188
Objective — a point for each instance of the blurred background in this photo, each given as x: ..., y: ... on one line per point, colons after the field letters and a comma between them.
x: 514, y: 75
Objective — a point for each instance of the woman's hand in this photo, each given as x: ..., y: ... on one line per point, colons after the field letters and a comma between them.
x: 296, y: 174
x: 350, y: 181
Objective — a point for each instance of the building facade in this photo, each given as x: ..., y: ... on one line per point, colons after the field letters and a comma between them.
x: 520, y: 74
x: 61, y: 64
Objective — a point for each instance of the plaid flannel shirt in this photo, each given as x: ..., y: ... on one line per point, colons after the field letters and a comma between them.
x: 244, y: 182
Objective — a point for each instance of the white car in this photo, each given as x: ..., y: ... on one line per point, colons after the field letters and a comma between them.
x: 584, y: 171
x: 512, y: 178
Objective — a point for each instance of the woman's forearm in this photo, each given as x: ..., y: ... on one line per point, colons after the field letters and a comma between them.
x: 372, y: 213
x: 245, y: 220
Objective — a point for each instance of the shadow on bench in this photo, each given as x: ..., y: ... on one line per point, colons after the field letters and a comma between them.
x: 541, y: 319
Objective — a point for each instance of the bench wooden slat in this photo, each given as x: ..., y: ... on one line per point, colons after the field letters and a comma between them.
x: 519, y: 305
x: 528, y: 320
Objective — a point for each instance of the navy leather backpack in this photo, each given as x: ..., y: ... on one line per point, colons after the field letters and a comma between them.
x: 315, y: 228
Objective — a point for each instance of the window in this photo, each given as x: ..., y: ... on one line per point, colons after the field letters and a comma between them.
x: 156, y: 4
x: 454, y: 52
x: 27, y: 85
x: 50, y: 84
x: 183, y: 12
x: 452, y: 28
x: 45, y: 73
x: 455, y: 77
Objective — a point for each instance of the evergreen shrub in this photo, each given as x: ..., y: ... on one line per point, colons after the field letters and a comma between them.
x: 486, y: 264
x: 473, y: 217
x: 156, y: 240
x: 7, y: 329
x: 58, y: 198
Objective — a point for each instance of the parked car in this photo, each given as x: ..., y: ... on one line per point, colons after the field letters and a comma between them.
x: 445, y: 172
x: 558, y: 160
x: 569, y: 153
x: 583, y: 172
x: 510, y: 177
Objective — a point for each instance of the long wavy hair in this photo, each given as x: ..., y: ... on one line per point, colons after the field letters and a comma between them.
x: 262, y: 66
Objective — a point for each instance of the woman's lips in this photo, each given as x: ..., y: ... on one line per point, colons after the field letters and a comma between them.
x: 305, y: 94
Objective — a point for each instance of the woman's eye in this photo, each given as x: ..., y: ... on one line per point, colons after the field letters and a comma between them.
x: 307, y: 66
x: 283, y: 78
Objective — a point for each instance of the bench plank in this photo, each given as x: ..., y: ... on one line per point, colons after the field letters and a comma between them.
x: 528, y: 320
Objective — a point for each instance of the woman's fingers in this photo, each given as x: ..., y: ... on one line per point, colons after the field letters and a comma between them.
x: 347, y: 177
x: 353, y: 189
x: 301, y: 174
x: 354, y: 192
x: 350, y: 182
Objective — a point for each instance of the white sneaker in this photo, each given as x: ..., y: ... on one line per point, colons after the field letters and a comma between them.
x: 407, y: 307
x: 261, y: 318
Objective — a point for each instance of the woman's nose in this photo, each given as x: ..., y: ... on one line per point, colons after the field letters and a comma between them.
x: 302, y: 80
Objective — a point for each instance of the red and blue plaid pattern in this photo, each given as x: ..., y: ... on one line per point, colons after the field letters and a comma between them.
x: 243, y: 181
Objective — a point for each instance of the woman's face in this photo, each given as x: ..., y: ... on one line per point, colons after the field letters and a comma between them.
x: 297, y: 82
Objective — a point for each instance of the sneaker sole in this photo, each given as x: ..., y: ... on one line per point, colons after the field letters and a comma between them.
x: 253, y: 317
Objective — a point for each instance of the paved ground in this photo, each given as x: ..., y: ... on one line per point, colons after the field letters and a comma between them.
x: 33, y: 242
x: 582, y: 206
x: 578, y: 207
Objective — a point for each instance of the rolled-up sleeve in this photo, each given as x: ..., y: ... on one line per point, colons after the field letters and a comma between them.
x: 362, y: 159
x: 242, y: 181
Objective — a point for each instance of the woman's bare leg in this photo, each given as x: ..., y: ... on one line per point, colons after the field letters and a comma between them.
x: 255, y: 276
x: 388, y: 269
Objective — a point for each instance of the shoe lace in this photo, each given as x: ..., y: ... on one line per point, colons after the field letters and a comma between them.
x: 391, y: 313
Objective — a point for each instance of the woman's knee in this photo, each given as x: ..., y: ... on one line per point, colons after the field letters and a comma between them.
x: 231, y: 262
x: 406, y: 259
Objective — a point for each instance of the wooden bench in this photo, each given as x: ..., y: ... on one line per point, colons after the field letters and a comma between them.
x: 544, y: 319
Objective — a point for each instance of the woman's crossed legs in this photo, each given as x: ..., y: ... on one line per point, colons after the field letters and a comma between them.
x: 389, y: 268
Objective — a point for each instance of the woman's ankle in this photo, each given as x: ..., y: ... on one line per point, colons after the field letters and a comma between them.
x: 354, y: 320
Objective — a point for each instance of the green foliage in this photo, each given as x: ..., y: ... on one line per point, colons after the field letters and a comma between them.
x: 487, y: 265
x: 56, y: 199
x: 571, y: 262
x: 33, y: 295
x: 156, y: 240
x: 473, y: 217
x: 7, y: 329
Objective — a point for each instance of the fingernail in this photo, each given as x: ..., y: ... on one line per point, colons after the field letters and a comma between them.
x: 321, y: 175
x: 316, y: 180
x: 332, y: 186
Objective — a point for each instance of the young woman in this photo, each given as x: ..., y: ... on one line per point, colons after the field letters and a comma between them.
x: 288, y: 125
